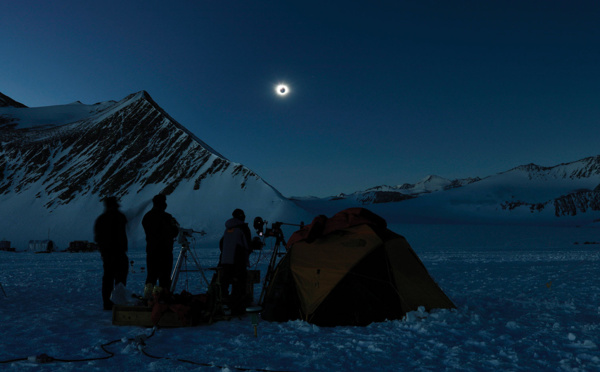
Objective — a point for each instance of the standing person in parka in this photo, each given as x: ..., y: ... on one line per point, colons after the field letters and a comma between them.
x: 233, y: 262
x: 161, y: 229
x: 111, y: 236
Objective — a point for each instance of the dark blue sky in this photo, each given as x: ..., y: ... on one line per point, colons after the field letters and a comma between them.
x: 382, y: 92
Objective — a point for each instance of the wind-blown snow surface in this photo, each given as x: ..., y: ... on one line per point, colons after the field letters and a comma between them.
x: 528, y: 299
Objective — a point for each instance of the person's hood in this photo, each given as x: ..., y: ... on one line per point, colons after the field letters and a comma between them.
x: 233, y: 222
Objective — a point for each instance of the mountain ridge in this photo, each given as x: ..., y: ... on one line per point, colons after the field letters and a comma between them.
x: 129, y: 149
x: 6, y: 101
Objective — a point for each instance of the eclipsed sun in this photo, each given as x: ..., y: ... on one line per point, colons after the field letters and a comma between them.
x: 282, y: 90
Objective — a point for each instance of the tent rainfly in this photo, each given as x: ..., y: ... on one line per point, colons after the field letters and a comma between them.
x: 349, y: 270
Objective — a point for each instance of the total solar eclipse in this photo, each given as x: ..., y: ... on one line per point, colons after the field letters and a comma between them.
x: 282, y: 89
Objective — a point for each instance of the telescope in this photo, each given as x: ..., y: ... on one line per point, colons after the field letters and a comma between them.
x: 187, y: 233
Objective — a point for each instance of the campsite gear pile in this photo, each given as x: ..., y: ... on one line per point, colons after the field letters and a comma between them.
x: 165, y: 309
x: 190, y: 309
x: 349, y: 269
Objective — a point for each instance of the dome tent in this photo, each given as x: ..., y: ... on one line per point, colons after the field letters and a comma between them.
x: 349, y: 270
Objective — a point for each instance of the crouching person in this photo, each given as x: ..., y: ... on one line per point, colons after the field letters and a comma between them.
x: 233, y: 262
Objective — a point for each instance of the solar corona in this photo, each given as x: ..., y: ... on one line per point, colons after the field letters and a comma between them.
x: 282, y: 90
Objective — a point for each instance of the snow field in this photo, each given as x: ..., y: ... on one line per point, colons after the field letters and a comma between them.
x: 518, y: 309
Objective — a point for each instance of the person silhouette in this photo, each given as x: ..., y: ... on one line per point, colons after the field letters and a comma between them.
x: 161, y: 229
x: 111, y: 236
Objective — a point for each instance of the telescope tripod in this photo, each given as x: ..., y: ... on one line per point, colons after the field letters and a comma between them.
x: 270, y: 270
x: 213, y: 287
x: 182, y: 260
x: 274, y: 231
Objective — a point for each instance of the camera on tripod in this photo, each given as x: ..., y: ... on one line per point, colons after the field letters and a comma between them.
x: 259, y: 224
x: 273, y: 231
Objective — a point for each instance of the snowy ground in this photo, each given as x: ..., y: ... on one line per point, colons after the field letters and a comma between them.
x: 528, y: 299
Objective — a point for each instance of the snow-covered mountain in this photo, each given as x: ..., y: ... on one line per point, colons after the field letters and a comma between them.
x: 567, y: 193
x: 58, y: 162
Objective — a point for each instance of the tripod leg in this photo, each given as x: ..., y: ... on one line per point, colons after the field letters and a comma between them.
x: 199, y: 267
x: 2, y: 288
x: 269, y: 274
x: 177, y: 269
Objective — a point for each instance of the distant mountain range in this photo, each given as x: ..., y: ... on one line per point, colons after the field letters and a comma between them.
x: 58, y: 162
x: 387, y: 194
x: 567, y: 193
